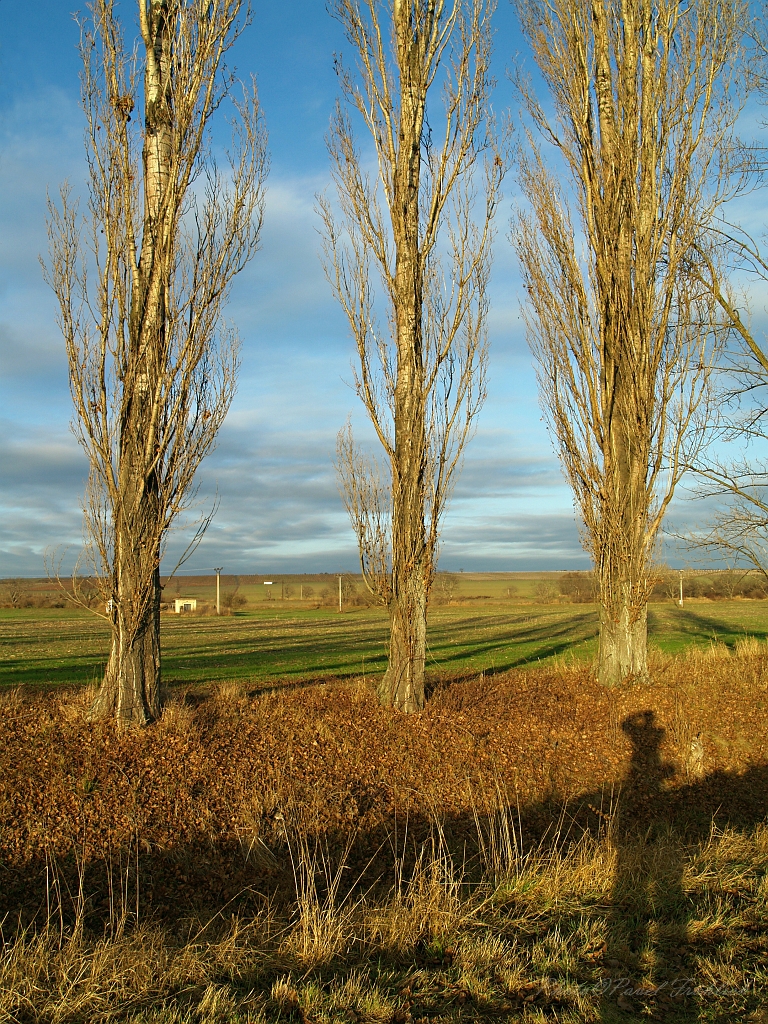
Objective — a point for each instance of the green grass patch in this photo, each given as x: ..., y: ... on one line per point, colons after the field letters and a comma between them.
x: 280, y: 641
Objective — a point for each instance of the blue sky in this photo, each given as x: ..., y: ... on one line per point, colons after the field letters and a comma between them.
x: 279, y: 506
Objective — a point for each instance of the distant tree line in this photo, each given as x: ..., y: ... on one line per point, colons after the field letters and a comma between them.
x: 725, y: 584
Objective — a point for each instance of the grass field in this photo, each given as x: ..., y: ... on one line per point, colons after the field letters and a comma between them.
x: 531, y: 847
x: 487, y: 622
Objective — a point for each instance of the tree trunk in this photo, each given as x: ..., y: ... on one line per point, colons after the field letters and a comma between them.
x: 403, y: 684
x: 130, y: 689
x: 624, y: 567
x: 623, y: 646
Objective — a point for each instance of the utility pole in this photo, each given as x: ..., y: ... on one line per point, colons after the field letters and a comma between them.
x: 339, y: 593
x: 680, y: 602
x: 218, y: 591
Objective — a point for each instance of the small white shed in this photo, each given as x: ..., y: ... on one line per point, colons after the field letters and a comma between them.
x: 185, y: 604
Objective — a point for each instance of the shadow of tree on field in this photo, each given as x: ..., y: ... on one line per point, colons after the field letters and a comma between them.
x: 269, y: 652
x: 703, y: 627
x: 550, y: 638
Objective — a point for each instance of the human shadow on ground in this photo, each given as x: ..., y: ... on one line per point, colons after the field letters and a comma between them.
x: 647, y: 958
x: 648, y: 963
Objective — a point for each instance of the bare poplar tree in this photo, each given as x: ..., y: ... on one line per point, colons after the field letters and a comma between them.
x: 739, y: 526
x: 141, y: 280
x: 644, y: 94
x: 420, y: 223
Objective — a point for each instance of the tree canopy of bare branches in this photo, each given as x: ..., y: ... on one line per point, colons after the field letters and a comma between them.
x: 141, y: 280
x: 644, y: 95
x: 734, y: 469
x: 738, y: 528
x: 420, y: 224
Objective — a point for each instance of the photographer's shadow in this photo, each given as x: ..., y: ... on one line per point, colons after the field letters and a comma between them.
x: 646, y: 956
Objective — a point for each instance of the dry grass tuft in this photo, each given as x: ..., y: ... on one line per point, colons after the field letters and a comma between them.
x: 68, y: 978
x: 750, y: 647
x: 229, y: 691
x: 715, y: 651
x: 323, y: 928
x: 12, y: 699
x: 285, y: 996
x: 426, y: 908
x: 74, y: 707
x: 549, y: 941
x: 178, y: 716
x: 218, y: 1004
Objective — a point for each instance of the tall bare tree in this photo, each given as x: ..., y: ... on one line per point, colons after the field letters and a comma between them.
x: 734, y: 470
x: 141, y: 280
x: 422, y: 224
x: 644, y: 94
x: 738, y: 528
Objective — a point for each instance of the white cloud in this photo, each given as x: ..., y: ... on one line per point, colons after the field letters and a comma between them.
x: 273, y: 469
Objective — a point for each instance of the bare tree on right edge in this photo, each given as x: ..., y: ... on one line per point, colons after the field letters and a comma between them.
x: 645, y: 96
x: 423, y: 386
x: 738, y: 528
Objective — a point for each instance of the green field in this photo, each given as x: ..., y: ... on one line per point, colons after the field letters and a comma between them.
x: 479, y: 622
